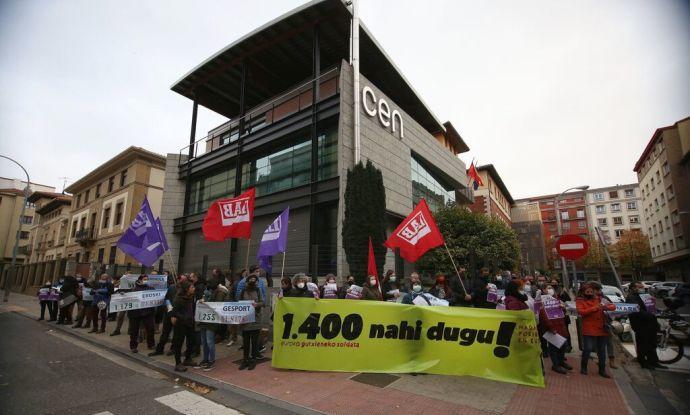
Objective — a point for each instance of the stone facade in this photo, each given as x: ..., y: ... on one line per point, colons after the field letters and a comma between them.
x: 173, y: 203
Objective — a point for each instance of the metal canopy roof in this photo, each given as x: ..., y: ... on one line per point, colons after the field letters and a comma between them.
x: 278, y: 55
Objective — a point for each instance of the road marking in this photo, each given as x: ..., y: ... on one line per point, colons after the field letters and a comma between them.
x: 187, y: 403
x: 565, y: 247
x: 105, y: 413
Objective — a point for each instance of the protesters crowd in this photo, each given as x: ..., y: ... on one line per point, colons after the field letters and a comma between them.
x: 174, y: 321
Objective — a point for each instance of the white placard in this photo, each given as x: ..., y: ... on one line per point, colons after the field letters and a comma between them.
x: 136, y: 300
x: 239, y: 312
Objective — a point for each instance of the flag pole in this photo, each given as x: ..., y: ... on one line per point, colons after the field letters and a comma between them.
x: 172, y: 266
x: 282, y: 270
x: 246, y: 262
x: 456, y: 268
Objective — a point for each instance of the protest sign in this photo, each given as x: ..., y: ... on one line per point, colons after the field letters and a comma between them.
x: 330, y: 291
x: 158, y: 282
x: 649, y: 303
x: 239, y: 312
x: 86, y: 294
x: 136, y: 299
x: 48, y: 294
x: 492, y: 295
x: 623, y: 309
x: 354, y: 292
x: 552, y: 307
x: 322, y: 335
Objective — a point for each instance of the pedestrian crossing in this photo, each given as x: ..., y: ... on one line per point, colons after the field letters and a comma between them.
x: 188, y: 403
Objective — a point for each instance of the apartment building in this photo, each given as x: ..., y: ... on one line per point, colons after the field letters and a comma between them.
x: 527, y: 222
x: 51, y: 222
x: 615, y: 209
x: 11, y: 200
x: 492, y: 198
x: 663, y: 174
x: 105, y: 202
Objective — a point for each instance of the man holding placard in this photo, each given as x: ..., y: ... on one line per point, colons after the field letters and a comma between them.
x: 645, y: 326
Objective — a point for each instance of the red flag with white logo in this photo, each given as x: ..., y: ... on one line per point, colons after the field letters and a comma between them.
x: 230, y: 218
x: 416, y: 234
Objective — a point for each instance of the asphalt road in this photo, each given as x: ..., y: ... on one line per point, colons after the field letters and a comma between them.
x: 43, y: 371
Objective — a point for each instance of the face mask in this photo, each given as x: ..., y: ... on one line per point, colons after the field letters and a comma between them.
x: 522, y: 292
x: 350, y: 283
x: 528, y: 288
x: 417, y: 288
x: 144, y: 282
x: 392, y: 278
x: 104, y: 281
x: 372, y: 281
x: 499, y: 278
x: 331, y: 282
x: 300, y: 285
x: 550, y: 291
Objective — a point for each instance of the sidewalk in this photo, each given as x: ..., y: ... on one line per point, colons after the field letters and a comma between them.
x: 353, y: 393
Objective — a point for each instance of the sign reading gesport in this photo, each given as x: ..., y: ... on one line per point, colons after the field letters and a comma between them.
x: 239, y: 312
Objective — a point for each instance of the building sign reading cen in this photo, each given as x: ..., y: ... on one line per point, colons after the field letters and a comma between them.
x: 381, y: 108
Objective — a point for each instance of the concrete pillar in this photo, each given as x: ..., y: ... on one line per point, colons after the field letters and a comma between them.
x: 172, y: 206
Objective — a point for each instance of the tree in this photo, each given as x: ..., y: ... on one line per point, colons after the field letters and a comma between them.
x: 632, y: 251
x: 365, y: 216
x: 474, y: 240
x: 595, y: 257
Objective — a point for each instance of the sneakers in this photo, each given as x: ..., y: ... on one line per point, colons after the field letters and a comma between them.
x: 189, y: 362
x: 262, y: 348
x: 252, y: 364
x: 180, y: 368
x: 155, y: 353
x: 230, y: 343
x: 115, y: 333
x: 559, y: 369
x: 135, y: 350
x: 209, y: 366
x: 201, y: 365
x: 566, y: 366
x: 244, y: 364
x: 259, y: 356
x: 603, y: 374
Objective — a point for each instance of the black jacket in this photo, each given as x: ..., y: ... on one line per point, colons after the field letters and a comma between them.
x: 142, y: 312
x: 642, y: 320
x: 183, y: 310
x: 69, y: 287
x: 296, y: 292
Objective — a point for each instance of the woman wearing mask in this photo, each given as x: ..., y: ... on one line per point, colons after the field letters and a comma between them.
x: 215, y: 292
x: 563, y: 296
x: 250, y: 331
x: 142, y: 316
x: 415, y: 291
x: 371, y: 290
x: 391, y: 286
x: 182, y: 319
x: 101, y: 301
x: 330, y: 288
x: 555, y: 325
x: 516, y: 298
x: 441, y: 288
x: 300, y: 288
x: 44, y: 291
x: 349, y: 282
x: 595, y: 335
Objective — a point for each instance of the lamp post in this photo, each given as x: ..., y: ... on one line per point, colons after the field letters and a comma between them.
x: 27, y: 192
x: 566, y: 283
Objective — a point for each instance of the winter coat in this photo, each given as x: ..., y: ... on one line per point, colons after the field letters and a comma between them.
x: 514, y: 303
x: 443, y: 292
x: 371, y: 293
x: 102, y: 292
x: 142, y: 312
x: 183, y: 311
x: 556, y: 325
x: 297, y: 292
x: 593, y: 317
x: 255, y: 296
x: 219, y: 295
x: 69, y: 287
x: 643, y: 319
x: 479, y: 295
x: 409, y: 297
x: 390, y: 286
x: 240, y: 286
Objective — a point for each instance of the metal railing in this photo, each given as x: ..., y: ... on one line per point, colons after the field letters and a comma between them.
x: 260, y: 117
x: 85, y: 236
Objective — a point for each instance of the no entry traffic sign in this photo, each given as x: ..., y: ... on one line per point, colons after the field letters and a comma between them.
x: 572, y: 247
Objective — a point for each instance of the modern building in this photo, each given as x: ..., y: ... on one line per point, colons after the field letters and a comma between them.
x: 51, y: 223
x: 527, y: 223
x: 287, y: 89
x: 492, y: 198
x: 105, y: 202
x: 663, y: 174
x: 615, y: 209
x: 11, y: 200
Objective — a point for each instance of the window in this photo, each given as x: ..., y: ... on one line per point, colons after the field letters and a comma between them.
x: 580, y: 213
x: 106, y: 217
x: 634, y: 220
x: 669, y: 192
x: 613, y: 194
x: 656, y: 203
x: 600, y: 209
x: 564, y: 215
x: 123, y: 177
x: 629, y: 192
x: 663, y: 247
x: 653, y: 251
x: 670, y: 244
x: 602, y: 222
x: 113, y: 252
x: 680, y: 242
x: 618, y: 232
x: 667, y: 221
x: 78, y: 201
x: 118, y: 213
x: 426, y: 184
x: 632, y: 205
x: 24, y: 235
x: 82, y: 222
x: 655, y: 231
x: 663, y: 199
x: 111, y: 183
x: 74, y: 228
x: 617, y: 220
x: 229, y: 136
x: 26, y: 220
x: 658, y: 177
x: 581, y: 224
x: 615, y: 207
x: 675, y: 219
x: 98, y: 190
x: 665, y: 168
x: 566, y: 226
x: 205, y: 190
x: 661, y: 227
x: 101, y: 255
x: 598, y: 196
x: 552, y: 228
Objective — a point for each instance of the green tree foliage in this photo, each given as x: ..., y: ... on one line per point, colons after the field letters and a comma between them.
x: 595, y: 257
x: 365, y: 216
x: 474, y: 241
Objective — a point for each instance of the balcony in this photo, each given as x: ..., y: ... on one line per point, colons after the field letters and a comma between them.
x: 85, y: 237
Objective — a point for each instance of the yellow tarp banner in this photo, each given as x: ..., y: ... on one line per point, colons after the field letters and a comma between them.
x: 384, y: 337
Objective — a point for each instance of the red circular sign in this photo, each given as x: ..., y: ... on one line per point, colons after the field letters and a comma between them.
x: 572, y: 247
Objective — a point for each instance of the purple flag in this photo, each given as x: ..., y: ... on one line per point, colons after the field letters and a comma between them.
x: 274, y: 240
x: 164, y: 240
x: 142, y: 240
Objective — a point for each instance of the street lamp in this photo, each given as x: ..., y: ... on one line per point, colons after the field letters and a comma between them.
x: 566, y: 283
x: 27, y: 193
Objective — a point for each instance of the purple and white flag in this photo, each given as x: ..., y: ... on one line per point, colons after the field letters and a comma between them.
x: 142, y: 240
x: 274, y: 239
x: 164, y: 240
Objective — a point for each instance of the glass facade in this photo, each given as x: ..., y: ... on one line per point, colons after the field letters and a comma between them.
x: 205, y: 190
x: 425, y: 185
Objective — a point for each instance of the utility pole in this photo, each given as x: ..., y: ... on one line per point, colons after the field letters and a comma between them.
x: 354, y: 60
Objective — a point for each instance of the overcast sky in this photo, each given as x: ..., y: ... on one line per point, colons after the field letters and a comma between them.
x: 554, y: 93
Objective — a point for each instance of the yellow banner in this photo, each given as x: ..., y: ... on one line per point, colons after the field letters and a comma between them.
x: 384, y: 337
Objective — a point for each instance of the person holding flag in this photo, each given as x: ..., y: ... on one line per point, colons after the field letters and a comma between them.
x: 372, y: 289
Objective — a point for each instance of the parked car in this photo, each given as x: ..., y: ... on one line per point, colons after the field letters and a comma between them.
x: 681, y: 292
x: 613, y: 293
x: 648, y: 284
x: 663, y: 289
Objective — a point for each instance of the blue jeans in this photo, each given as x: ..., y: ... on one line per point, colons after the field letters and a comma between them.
x: 594, y: 344
x: 208, y: 341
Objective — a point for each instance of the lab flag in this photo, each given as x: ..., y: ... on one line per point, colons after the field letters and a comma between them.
x: 474, y: 177
x: 416, y: 234
x: 274, y: 240
x: 142, y: 240
x: 230, y: 218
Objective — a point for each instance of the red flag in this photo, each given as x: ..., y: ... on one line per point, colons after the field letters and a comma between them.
x: 416, y: 234
x: 474, y: 177
x: 371, y: 265
x: 230, y: 218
